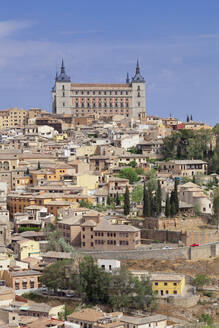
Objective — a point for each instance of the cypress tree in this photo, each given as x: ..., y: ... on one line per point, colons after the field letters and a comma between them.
x: 193, y: 179
x: 126, y: 201
x: 108, y: 201
x: 158, y: 199
x: 172, y: 204
x: 191, y: 118
x: 187, y: 118
x: 167, y: 207
x: 117, y: 200
x: 176, y: 199
x: 144, y: 201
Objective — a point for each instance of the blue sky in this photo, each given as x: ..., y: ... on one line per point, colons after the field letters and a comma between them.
x: 176, y: 42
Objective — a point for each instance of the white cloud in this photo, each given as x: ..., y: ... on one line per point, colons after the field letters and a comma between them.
x: 7, y: 28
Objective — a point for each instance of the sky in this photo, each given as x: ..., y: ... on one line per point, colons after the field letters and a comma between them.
x: 176, y: 43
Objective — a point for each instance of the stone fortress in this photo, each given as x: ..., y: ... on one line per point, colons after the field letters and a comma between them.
x: 102, y: 99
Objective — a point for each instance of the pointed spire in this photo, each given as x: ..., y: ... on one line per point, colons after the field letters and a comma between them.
x: 127, y: 79
x: 62, y: 67
x: 63, y: 77
x: 138, y: 77
x: 137, y: 68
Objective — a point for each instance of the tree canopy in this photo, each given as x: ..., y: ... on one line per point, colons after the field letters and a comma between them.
x: 130, y: 174
x: 187, y: 144
x: 118, y: 289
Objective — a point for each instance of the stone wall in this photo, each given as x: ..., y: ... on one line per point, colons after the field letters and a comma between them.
x: 184, y: 301
x: 180, y: 224
x: 187, y: 238
x: 187, y: 253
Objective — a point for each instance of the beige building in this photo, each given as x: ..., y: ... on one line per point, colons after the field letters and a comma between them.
x: 153, y: 321
x: 191, y: 193
x: 102, y: 99
x: 13, y: 117
x: 185, y: 168
x: 99, y: 234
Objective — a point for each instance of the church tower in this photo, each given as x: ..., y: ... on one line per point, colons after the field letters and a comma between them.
x: 138, y: 94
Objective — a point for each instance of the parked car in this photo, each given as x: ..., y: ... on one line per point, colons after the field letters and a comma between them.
x: 194, y: 245
x: 166, y: 247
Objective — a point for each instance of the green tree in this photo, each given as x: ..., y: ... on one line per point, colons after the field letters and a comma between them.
x: 94, y: 281
x: 201, y: 280
x: 54, y: 275
x: 204, y: 317
x: 132, y: 164
x: 117, y: 199
x: 57, y: 243
x: 64, y: 313
x: 158, y: 198
x: 216, y: 206
x: 137, y: 194
x: 128, y: 292
x: 191, y: 118
x: 146, y: 203
x: 108, y: 201
x: 187, y: 118
x: 167, y: 206
x: 85, y: 204
x: 130, y: 174
x: 126, y: 201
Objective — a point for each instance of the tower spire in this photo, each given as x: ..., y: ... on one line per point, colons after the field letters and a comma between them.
x: 127, y: 79
x: 137, y: 68
x: 62, y: 67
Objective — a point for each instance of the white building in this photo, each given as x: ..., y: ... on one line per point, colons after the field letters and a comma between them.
x: 108, y: 265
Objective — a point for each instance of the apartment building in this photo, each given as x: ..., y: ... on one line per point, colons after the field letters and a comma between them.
x: 13, y: 117
x: 185, y: 168
x: 99, y: 234
x: 102, y: 99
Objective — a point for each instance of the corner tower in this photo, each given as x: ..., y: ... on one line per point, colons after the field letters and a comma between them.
x: 138, y: 94
x: 61, y: 93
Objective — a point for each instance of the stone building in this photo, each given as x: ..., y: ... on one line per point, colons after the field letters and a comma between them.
x: 102, y: 99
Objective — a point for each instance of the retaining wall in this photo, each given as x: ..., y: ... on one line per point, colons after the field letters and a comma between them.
x: 187, y: 253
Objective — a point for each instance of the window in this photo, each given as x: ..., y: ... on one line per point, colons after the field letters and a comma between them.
x: 83, y: 229
x: 156, y: 283
x: 165, y: 284
x: 31, y: 284
x: 63, y: 104
x: 175, y: 284
x: 139, y: 104
x: 63, y: 87
x: 63, y: 94
x: 175, y: 292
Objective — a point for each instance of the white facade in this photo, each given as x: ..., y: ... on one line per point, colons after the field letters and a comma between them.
x: 108, y: 265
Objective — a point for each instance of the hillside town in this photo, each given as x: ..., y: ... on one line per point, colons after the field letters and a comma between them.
x: 109, y: 217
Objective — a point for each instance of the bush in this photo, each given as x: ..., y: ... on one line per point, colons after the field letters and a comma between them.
x: 208, y: 293
x: 23, y: 229
x: 201, y: 280
x: 205, y: 318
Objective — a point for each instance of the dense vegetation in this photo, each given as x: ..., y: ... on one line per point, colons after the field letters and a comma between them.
x: 190, y: 144
x: 119, y: 289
